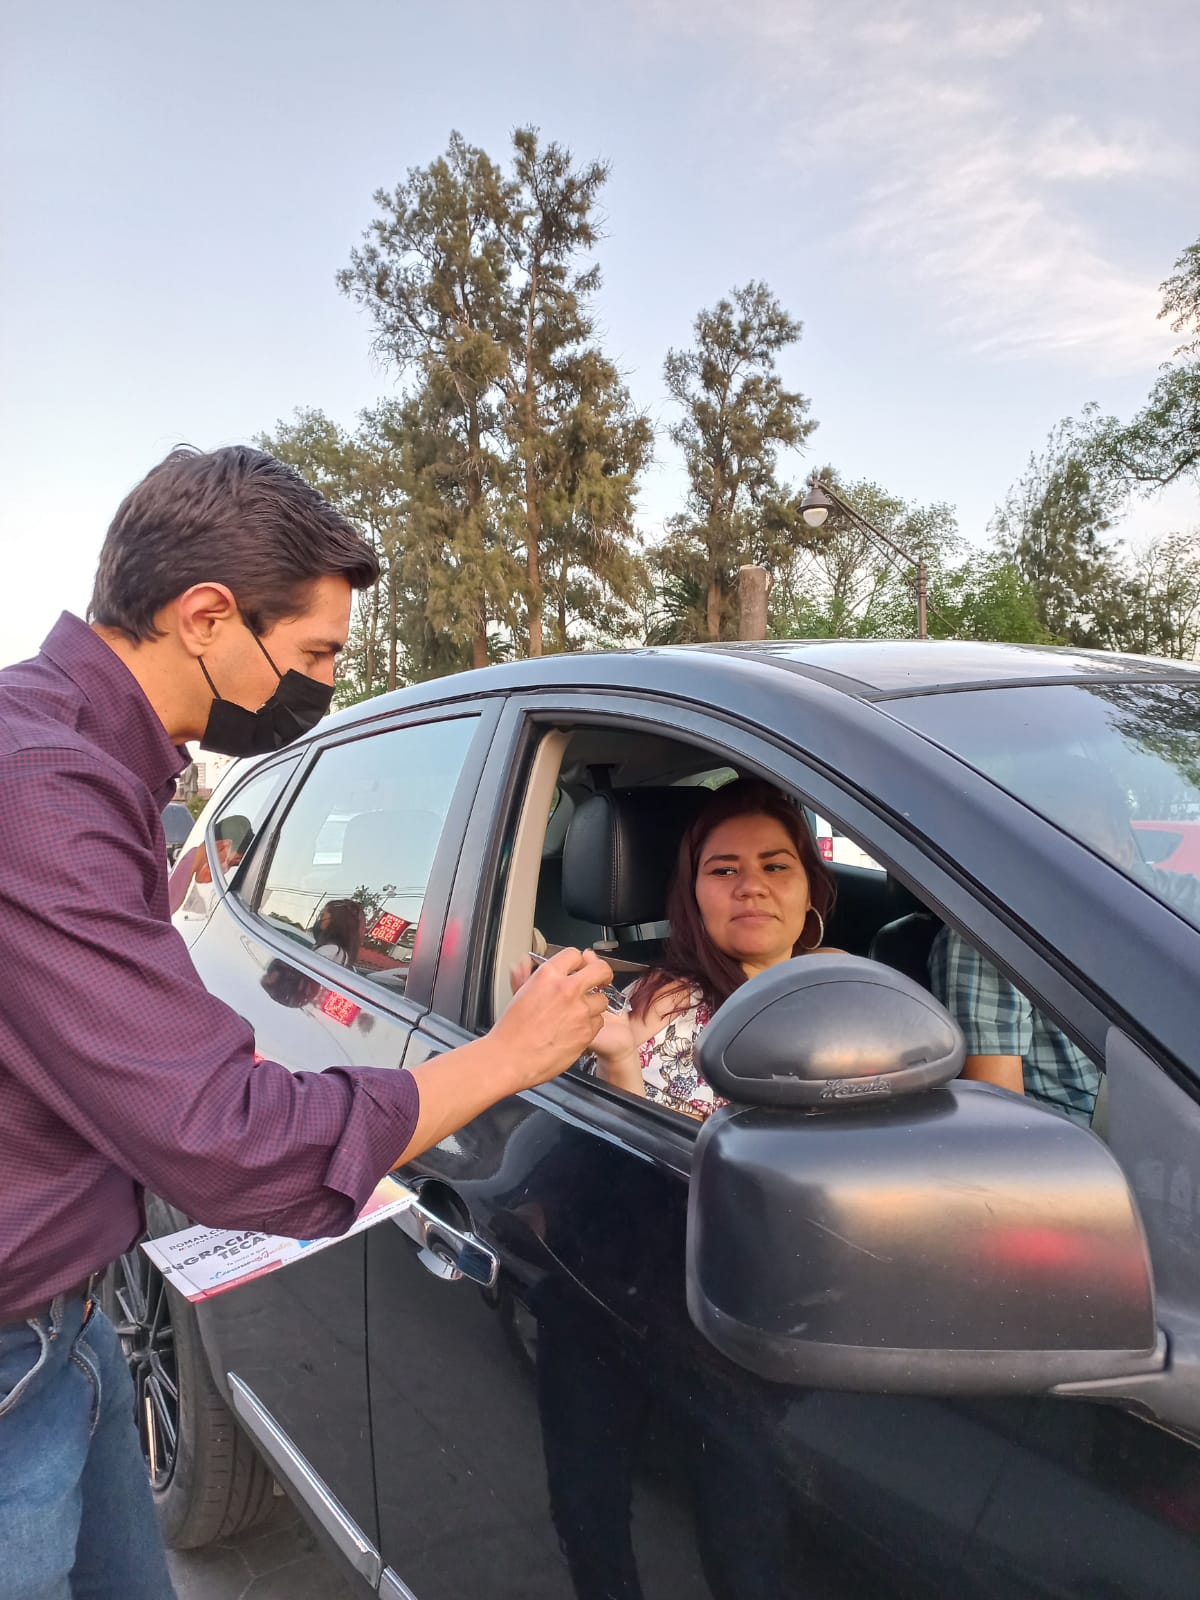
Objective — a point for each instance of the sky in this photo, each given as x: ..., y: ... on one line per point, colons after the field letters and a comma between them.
x: 969, y: 206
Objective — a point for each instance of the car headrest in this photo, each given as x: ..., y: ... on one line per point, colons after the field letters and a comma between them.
x: 394, y: 847
x: 620, y: 851
x: 900, y: 901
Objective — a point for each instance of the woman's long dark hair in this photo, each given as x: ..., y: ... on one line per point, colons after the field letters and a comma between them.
x: 342, y: 923
x: 690, y: 955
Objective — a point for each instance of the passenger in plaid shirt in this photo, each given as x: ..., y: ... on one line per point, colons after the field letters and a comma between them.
x: 1009, y: 1042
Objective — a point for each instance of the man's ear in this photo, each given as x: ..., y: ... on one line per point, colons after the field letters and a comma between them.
x: 199, y: 614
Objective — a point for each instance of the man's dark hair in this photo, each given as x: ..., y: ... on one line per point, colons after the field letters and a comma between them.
x: 234, y: 516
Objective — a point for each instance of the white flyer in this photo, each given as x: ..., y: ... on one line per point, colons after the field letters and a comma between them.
x: 200, y: 1262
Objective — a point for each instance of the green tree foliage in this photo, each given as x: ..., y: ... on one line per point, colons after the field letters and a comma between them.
x: 1161, y: 443
x: 593, y: 574
x: 549, y: 345
x: 476, y: 285
x: 986, y: 597
x: 364, y: 483
x: 1052, y: 526
x: 1181, y: 300
x: 1156, y: 609
x: 432, y: 272
x: 847, y: 584
x: 736, y: 416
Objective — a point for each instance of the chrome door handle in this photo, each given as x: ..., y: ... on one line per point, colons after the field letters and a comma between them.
x: 446, y: 1251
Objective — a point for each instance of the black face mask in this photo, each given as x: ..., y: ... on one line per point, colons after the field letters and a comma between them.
x: 298, y: 704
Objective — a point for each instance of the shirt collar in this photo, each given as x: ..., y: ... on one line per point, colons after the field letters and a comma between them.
x: 118, y: 717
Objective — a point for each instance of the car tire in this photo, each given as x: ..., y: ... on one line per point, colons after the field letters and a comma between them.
x: 207, y: 1479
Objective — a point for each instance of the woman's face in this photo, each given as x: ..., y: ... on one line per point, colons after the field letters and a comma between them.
x: 752, y: 891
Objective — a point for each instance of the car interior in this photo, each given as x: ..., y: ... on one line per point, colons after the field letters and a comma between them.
x: 595, y: 844
x: 592, y: 850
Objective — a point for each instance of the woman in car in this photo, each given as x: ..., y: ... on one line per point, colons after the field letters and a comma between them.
x: 750, y: 890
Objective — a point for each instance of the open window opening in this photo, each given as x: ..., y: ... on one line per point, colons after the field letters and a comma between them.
x: 592, y: 850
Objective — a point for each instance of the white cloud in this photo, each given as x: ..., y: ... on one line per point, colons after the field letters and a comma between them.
x: 995, y: 36
x: 888, y: 32
x: 1017, y: 273
x: 959, y: 188
x: 1067, y: 150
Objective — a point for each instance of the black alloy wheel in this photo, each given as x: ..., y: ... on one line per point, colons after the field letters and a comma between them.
x: 141, y: 1313
x: 207, y: 1479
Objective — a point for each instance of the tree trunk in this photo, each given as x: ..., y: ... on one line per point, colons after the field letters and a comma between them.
x: 373, y: 637
x: 533, y: 524
x: 714, y: 608
x: 479, y: 635
x: 533, y: 516
x: 393, y: 624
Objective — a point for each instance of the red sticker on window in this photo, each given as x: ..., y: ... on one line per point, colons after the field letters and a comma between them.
x: 387, y: 928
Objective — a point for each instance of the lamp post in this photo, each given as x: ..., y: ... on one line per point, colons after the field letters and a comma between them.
x: 820, y: 501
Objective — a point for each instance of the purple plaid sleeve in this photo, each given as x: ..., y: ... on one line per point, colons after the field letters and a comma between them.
x: 119, y: 1069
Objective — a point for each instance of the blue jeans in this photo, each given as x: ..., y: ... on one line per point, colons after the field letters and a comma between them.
x: 77, y: 1521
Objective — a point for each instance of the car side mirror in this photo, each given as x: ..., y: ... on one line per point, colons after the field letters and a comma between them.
x: 823, y: 1030
x: 866, y: 1225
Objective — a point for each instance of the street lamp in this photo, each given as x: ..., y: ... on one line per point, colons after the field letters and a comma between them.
x: 815, y: 508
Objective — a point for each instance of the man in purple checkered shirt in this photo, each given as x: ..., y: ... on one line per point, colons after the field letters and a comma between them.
x: 222, y: 599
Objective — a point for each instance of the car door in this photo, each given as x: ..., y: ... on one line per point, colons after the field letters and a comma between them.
x: 315, y: 945
x: 652, y: 1465
x: 564, y: 1430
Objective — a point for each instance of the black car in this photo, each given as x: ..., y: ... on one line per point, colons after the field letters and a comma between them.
x: 933, y: 1340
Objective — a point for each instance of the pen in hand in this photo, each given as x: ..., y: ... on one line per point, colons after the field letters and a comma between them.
x: 613, y: 995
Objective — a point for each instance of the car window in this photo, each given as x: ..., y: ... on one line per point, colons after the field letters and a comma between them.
x: 352, y: 859
x: 1001, y: 1025
x: 1116, y: 765
x: 233, y: 830
x: 837, y: 847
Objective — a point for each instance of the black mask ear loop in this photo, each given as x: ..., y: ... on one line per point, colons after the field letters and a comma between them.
x: 265, y: 652
x: 261, y: 646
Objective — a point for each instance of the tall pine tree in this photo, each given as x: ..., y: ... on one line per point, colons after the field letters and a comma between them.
x: 479, y: 288
x: 1052, y: 525
x: 432, y: 272
x: 736, y: 417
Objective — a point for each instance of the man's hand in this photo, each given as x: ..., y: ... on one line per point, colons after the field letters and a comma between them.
x: 555, y: 1015
x: 551, y: 1022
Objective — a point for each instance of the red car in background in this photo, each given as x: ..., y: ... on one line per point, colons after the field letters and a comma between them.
x: 1173, y: 846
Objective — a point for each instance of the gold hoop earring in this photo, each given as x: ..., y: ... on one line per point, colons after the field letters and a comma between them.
x: 821, y: 926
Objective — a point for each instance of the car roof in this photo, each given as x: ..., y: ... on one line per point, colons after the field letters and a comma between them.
x: 867, y: 669
x: 922, y: 666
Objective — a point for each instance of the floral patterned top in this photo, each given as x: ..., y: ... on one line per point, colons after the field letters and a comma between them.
x: 669, y: 1068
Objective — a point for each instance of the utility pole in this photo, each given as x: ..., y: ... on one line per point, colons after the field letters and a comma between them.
x: 752, y: 602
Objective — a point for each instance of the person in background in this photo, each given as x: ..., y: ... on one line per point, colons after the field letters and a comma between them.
x: 1009, y: 1041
